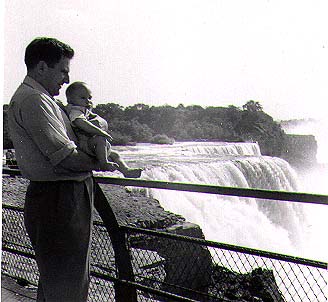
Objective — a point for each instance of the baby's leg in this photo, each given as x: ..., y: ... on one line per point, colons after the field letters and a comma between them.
x: 123, y: 167
x: 99, y: 145
x: 101, y: 148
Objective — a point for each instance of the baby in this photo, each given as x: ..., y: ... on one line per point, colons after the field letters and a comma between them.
x: 91, y: 129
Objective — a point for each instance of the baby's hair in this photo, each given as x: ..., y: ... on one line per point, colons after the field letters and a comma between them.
x: 71, y: 89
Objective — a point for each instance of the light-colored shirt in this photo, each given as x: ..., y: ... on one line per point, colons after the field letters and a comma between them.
x: 74, y: 112
x: 78, y: 112
x: 82, y: 113
x: 41, y: 133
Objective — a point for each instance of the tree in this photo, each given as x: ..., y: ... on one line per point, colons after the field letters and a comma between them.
x: 110, y: 110
x: 252, y: 106
x: 131, y: 128
x: 140, y: 123
x: 139, y: 112
x: 257, y: 126
x: 162, y: 119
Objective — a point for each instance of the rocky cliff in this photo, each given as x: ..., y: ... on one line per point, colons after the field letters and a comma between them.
x: 300, y: 150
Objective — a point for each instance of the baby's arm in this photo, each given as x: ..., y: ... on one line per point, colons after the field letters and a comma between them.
x: 90, y: 128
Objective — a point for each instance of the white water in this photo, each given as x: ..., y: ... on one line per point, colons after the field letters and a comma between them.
x: 315, y: 180
x: 283, y: 227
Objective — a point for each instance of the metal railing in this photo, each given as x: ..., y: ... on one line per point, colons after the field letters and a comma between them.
x: 165, y: 266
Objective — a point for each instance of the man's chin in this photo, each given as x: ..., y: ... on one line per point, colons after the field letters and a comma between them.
x: 54, y: 93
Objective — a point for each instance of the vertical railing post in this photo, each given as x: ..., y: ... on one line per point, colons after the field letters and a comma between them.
x: 123, y: 292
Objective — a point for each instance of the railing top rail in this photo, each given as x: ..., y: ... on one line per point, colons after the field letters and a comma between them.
x: 210, y: 189
x: 213, y: 189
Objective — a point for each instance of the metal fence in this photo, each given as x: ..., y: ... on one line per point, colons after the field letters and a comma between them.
x: 218, y: 271
x: 172, y: 267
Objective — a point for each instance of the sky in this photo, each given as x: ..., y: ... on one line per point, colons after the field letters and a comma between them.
x: 191, y: 52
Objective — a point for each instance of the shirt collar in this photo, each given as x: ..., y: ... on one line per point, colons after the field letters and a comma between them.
x: 29, y: 81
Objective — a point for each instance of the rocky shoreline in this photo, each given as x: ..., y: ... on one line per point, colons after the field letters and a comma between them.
x: 135, y: 209
x: 131, y: 208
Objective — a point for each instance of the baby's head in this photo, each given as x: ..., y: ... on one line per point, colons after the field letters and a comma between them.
x: 79, y: 94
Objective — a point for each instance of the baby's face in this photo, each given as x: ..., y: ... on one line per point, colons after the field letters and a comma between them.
x: 82, y: 97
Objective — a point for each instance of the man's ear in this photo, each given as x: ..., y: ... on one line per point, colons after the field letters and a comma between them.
x: 42, y: 67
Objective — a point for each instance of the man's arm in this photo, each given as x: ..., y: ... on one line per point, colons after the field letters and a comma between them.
x: 79, y: 161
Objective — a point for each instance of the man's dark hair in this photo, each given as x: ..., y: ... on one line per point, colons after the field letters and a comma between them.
x: 45, y: 49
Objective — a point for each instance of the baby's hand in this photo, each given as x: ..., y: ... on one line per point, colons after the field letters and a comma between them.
x: 109, y: 137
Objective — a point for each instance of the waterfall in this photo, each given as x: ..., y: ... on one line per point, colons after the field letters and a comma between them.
x: 233, y: 219
x: 276, y: 226
x: 224, y: 149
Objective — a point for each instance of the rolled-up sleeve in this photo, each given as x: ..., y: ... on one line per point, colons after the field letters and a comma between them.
x: 45, y: 126
x: 76, y: 114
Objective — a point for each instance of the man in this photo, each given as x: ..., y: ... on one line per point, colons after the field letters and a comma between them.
x: 59, y: 199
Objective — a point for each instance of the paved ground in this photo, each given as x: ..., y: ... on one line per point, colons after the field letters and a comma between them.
x: 12, y: 292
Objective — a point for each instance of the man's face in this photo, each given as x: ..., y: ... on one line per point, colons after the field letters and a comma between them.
x: 55, y: 77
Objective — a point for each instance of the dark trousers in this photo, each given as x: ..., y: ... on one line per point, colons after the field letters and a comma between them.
x: 58, y: 219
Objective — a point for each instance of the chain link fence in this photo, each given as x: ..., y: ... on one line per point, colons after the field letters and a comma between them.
x: 171, y: 267
x: 209, y: 271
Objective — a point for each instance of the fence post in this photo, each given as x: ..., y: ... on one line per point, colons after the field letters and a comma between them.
x: 123, y: 292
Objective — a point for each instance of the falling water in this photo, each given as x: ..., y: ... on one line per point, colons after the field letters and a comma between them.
x: 315, y: 180
x: 277, y: 226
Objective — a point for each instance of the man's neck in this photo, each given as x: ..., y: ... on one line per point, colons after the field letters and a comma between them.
x: 39, y: 80
x: 34, y: 76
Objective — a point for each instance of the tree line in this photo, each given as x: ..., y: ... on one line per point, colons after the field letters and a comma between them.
x: 166, y: 124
